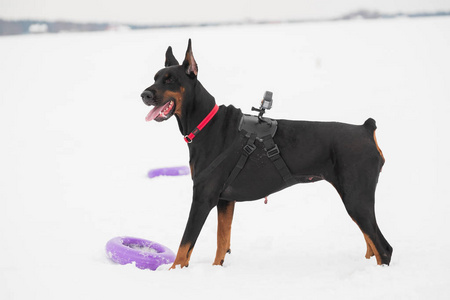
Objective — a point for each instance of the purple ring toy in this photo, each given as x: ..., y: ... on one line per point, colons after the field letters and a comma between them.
x: 146, y: 254
x: 172, y: 171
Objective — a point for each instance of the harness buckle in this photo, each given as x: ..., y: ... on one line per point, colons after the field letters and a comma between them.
x: 249, y: 148
x: 272, y: 152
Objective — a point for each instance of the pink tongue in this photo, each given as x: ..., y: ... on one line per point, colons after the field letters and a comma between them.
x: 155, y: 112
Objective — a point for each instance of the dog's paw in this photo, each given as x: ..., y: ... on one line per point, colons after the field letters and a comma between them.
x: 178, y: 266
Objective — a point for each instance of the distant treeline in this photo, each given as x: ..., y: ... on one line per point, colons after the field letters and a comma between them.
x: 367, y: 14
x: 33, y: 26
x: 38, y: 26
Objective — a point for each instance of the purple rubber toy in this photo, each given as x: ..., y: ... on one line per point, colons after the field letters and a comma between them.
x: 146, y: 254
x: 172, y: 171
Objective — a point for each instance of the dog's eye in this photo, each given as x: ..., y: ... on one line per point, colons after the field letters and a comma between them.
x: 169, y: 80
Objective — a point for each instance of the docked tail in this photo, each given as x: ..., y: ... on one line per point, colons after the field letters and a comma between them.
x: 370, y: 124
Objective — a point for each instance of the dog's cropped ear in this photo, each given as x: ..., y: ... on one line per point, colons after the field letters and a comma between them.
x: 189, y: 64
x: 170, y: 59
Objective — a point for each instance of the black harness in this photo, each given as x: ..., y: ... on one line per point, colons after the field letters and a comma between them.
x: 253, y: 129
x: 263, y: 130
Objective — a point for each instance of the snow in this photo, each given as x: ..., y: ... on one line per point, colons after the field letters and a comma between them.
x: 76, y: 150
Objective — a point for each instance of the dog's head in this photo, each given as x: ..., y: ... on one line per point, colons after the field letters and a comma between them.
x: 171, y: 87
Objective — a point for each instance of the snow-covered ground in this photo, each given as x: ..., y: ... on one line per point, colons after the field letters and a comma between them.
x: 75, y: 151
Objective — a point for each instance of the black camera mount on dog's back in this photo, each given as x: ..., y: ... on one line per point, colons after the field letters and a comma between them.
x: 266, y: 103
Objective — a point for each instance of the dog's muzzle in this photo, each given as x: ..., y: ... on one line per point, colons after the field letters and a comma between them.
x: 148, y: 97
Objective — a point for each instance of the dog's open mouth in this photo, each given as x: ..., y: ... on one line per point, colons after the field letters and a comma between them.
x: 161, y: 113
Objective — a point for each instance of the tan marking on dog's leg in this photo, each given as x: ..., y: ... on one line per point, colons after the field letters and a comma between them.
x: 224, y: 220
x: 373, y: 249
x: 369, y: 252
x: 183, y: 256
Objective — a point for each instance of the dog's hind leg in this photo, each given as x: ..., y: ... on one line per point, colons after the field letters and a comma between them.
x: 359, y: 200
x: 357, y: 162
x: 225, y: 210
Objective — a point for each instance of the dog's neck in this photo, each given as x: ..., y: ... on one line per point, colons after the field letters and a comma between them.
x: 195, y: 109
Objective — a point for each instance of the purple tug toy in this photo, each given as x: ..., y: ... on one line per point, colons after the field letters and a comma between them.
x: 146, y: 254
x: 171, y: 171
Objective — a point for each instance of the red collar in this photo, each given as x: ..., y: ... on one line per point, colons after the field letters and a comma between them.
x: 188, y: 138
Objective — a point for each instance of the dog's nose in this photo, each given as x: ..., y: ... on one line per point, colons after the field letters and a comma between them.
x: 147, y: 97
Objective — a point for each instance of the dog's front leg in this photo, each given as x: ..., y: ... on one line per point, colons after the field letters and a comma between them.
x: 225, y: 210
x: 197, y: 217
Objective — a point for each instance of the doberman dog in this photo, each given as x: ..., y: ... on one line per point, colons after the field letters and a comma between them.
x: 345, y: 155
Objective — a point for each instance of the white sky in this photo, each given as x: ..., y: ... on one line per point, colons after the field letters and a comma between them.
x: 178, y: 11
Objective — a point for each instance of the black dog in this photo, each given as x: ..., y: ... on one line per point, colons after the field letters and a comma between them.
x: 229, y: 164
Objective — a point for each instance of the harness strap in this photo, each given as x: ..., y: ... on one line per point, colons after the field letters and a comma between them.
x: 274, y: 155
x: 216, y: 162
x: 246, y: 151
